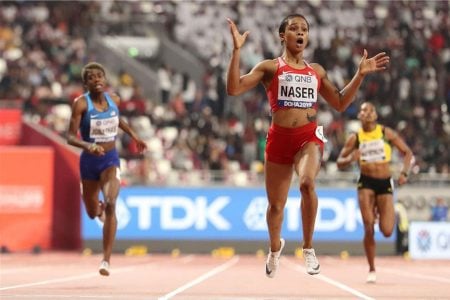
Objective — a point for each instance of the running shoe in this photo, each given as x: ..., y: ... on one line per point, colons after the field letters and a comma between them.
x: 102, y: 216
x: 273, y: 260
x: 104, y: 268
x: 312, y: 264
x: 371, y: 277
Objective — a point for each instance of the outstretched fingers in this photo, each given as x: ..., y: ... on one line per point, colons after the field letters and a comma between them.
x: 238, y: 39
x: 381, y: 60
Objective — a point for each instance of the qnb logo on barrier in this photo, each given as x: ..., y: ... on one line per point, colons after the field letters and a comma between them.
x: 443, y: 240
x: 424, y: 240
x: 255, y: 214
x: 429, y: 240
x: 197, y: 212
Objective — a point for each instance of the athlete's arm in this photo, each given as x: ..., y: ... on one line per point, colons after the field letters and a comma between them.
x: 237, y: 84
x: 408, y: 157
x: 340, y: 100
x: 348, y: 153
x: 127, y: 128
x: 79, y: 106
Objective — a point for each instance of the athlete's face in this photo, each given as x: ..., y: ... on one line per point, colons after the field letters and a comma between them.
x: 296, y: 34
x: 367, y: 113
x: 95, y: 80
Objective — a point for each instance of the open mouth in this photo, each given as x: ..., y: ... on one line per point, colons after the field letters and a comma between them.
x: 300, y: 41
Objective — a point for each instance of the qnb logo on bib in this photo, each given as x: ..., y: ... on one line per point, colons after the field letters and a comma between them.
x: 297, y: 90
x: 104, y: 130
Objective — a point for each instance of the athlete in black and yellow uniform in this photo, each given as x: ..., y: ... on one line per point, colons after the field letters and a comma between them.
x: 372, y: 146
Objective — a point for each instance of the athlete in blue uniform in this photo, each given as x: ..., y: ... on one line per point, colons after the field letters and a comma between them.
x: 96, y: 115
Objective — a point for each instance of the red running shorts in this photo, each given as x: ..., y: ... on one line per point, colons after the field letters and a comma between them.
x: 282, y: 144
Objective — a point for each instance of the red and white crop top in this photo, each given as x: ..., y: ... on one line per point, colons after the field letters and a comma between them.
x: 293, y: 88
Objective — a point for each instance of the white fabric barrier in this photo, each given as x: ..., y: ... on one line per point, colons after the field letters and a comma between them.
x: 429, y: 240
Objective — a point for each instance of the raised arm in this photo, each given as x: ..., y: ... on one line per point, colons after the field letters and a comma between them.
x: 237, y: 84
x: 348, y: 154
x: 340, y: 100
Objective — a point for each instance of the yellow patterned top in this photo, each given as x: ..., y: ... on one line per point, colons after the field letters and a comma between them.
x: 373, y: 146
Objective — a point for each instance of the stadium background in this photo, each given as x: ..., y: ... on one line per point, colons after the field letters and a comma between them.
x: 167, y: 60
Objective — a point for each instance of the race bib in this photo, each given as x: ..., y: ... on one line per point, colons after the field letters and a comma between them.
x: 297, y: 90
x: 104, y: 130
x: 372, y: 151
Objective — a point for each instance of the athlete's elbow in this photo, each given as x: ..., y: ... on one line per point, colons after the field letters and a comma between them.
x: 232, y: 91
x: 342, y: 107
x: 70, y: 139
x: 341, y: 166
x: 338, y: 107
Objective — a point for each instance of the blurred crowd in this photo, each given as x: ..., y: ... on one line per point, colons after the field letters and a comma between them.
x: 196, y: 132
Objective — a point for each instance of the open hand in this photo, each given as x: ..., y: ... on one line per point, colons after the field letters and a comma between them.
x: 238, y: 39
x: 141, y: 145
x: 376, y: 63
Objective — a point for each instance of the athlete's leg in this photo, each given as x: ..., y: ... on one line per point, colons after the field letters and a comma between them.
x: 366, y: 199
x: 278, y: 180
x: 386, y: 212
x: 110, y: 185
x: 307, y: 166
x: 90, y: 191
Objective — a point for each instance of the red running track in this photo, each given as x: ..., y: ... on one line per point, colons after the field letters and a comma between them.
x: 204, y: 277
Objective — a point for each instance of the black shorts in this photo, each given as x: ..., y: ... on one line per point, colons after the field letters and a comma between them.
x: 379, y: 186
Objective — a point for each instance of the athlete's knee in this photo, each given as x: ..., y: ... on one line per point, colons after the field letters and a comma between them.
x: 387, y: 232
x: 92, y: 213
x: 306, y: 184
x: 110, y: 207
x: 276, y: 208
x: 368, y: 229
x: 91, y: 209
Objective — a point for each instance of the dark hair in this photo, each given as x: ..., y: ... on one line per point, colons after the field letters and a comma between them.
x: 285, y: 21
x: 90, y: 66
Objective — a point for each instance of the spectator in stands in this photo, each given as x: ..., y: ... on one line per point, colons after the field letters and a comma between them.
x: 439, y: 211
x: 372, y: 146
x: 96, y: 115
x: 294, y: 141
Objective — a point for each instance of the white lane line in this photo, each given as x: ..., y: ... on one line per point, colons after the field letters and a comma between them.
x: 202, y: 278
x: 328, y: 280
x: 15, y: 270
x: 72, y: 278
x: 412, y: 275
x: 57, y: 296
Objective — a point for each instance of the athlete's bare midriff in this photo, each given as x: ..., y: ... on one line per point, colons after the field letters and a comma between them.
x: 293, y: 117
x: 376, y: 170
x: 108, y: 145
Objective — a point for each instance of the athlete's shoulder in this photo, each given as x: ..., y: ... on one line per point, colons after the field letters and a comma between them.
x: 114, y: 97
x: 80, y: 100
x: 79, y: 104
x: 319, y: 69
x: 268, y: 64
